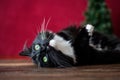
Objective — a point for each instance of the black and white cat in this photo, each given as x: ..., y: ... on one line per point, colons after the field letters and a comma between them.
x: 73, y: 46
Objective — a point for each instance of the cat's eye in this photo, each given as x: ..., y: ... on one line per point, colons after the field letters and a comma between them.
x: 37, y: 47
x: 45, y: 59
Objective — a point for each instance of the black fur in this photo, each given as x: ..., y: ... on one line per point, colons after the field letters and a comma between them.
x: 104, y: 49
x: 89, y: 55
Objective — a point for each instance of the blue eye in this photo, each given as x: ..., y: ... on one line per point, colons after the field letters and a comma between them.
x: 37, y: 47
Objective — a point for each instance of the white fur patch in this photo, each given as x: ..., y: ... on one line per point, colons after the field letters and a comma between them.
x: 97, y: 46
x: 52, y: 43
x: 64, y: 46
x: 90, y: 29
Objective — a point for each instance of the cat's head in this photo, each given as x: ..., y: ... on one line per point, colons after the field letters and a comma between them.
x: 43, y: 53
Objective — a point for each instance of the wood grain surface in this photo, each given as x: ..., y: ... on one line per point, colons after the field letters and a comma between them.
x: 26, y: 70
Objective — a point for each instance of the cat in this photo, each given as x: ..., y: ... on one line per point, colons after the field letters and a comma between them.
x: 73, y: 46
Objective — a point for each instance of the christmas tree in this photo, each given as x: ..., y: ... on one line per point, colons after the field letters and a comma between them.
x: 98, y: 15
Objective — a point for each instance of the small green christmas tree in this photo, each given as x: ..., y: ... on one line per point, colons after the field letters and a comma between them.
x: 98, y: 15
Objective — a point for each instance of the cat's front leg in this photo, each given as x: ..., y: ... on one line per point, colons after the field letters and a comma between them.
x: 90, y: 29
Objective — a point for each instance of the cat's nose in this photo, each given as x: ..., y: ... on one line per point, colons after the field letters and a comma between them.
x: 45, y: 48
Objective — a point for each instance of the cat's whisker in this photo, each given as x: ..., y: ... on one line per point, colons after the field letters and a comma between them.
x: 51, y: 34
x: 35, y: 34
x: 43, y: 29
x: 49, y: 37
x: 34, y: 31
x: 43, y: 25
x: 37, y: 59
x: 47, y: 24
x: 25, y: 45
x: 33, y: 55
x: 28, y: 60
x: 38, y: 30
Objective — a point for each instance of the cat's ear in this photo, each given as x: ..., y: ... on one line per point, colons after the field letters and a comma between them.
x: 26, y: 52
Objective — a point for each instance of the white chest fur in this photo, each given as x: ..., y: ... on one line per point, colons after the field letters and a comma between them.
x: 64, y: 46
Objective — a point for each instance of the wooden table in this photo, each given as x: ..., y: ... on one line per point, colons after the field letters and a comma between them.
x: 26, y: 70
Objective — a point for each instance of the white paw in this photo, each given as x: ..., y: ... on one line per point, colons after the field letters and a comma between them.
x: 52, y: 43
x: 90, y: 29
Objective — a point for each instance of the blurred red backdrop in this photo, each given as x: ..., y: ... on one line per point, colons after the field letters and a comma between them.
x: 19, y: 20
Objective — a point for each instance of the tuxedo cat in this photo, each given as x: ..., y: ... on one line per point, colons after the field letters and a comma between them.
x: 73, y: 46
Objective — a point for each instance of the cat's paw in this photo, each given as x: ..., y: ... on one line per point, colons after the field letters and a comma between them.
x: 90, y: 29
x: 52, y: 43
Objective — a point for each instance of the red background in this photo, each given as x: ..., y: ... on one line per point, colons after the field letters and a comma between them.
x: 19, y: 20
